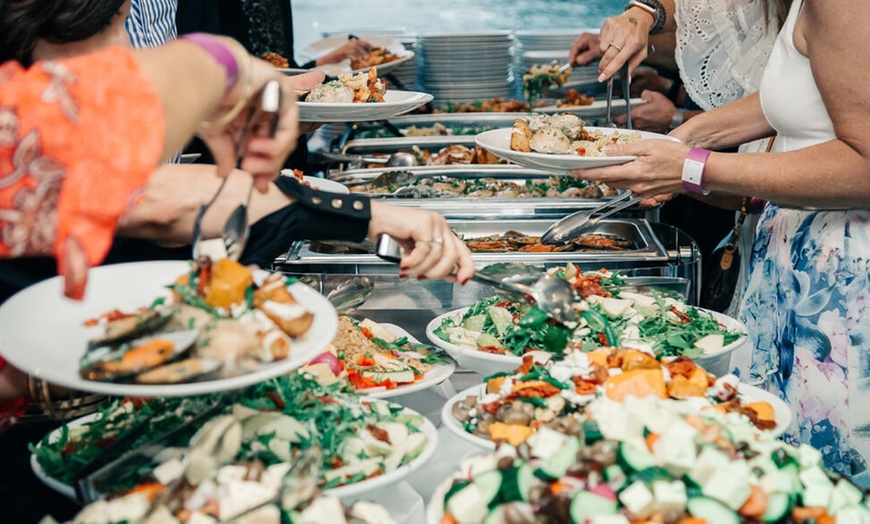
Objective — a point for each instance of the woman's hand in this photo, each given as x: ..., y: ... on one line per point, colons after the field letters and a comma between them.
x: 262, y: 155
x: 584, y: 50
x: 655, y: 116
x: 623, y: 39
x: 656, y: 173
x: 431, y: 249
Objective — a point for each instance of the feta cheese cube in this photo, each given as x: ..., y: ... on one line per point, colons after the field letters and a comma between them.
x: 670, y: 496
x: 638, y: 500
x: 729, y: 486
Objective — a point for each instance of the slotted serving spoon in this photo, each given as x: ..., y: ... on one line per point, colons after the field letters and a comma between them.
x: 551, y: 294
x: 235, y: 231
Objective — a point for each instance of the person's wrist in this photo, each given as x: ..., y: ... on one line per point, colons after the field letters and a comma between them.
x: 693, y: 170
x: 654, y: 8
x: 645, y: 15
x: 678, y: 117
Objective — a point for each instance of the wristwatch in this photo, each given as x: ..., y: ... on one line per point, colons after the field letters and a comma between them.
x: 693, y: 170
x: 654, y: 8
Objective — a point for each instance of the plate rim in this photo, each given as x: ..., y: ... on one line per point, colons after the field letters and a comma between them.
x: 328, y: 323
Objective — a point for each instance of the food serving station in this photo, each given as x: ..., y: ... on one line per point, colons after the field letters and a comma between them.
x: 430, y: 401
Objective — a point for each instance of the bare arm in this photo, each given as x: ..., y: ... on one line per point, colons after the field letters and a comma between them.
x: 168, y: 207
x: 728, y: 126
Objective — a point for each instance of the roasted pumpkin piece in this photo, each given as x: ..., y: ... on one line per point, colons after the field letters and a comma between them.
x: 514, y: 434
x: 683, y: 387
x: 229, y: 284
x: 763, y: 410
x: 638, y: 383
x: 634, y: 359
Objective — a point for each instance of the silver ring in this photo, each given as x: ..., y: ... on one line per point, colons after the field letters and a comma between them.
x: 614, y: 44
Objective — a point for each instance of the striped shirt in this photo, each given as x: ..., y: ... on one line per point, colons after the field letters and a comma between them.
x: 151, y: 22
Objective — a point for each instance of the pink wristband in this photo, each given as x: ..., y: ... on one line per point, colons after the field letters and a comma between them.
x: 693, y: 170
x: 220, y: 52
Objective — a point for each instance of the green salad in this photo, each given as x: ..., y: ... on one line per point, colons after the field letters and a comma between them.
x: 609, y: 313
x: 279, y: 418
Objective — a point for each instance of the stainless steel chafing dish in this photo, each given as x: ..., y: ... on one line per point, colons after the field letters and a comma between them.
x: 487, y: 207
x: 367, y: 146
x: 661, y: 251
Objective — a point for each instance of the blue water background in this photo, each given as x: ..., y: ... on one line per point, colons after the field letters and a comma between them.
x: 314, y: 17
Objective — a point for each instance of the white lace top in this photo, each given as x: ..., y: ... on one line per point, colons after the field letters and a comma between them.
x: 722, y: 48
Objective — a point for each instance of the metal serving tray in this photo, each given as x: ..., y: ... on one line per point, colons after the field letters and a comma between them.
x: 317, y: 257
x: 368, y: 146
x: 412, y: 304
x: 480, y: 207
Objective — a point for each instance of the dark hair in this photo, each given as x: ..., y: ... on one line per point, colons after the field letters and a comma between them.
x: 24, y: 22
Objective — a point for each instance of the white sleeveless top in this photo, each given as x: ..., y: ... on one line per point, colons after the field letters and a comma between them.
x: 790, y: 98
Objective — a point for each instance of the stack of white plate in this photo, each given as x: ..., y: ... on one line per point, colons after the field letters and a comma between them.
x: 466, y: 67
x: 548, y: 39
x: 407, y: 72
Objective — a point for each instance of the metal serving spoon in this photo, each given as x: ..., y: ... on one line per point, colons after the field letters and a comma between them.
x: 551, y: 294
x: 403, y: 158
x: 351, y: 294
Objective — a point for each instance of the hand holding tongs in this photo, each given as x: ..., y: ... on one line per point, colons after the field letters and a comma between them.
x: 626, y: 94
x: 266, y: 110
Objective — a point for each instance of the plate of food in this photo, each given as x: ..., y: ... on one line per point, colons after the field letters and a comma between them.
x: 649, y: 461
x: 168, y: 328
x: 357, y: 98
x: 512, y: 407
x: 314, y: 182
x: 560, y: 143
x: 387, y: 54
x: 380, y: 360
x: 492, y: 335
x: 366, y: 444
x: 590, y: 109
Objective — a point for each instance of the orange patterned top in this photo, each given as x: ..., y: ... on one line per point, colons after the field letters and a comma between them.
x: 78, y: 139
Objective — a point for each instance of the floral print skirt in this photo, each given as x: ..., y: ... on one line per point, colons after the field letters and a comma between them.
x: 806, y: 306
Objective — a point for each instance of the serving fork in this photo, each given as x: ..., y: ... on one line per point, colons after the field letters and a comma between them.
x: 624, y: 80
x: 235, y: 231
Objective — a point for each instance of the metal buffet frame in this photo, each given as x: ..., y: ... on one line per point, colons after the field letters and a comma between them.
x: 664, y: 252
x: 480, y: 207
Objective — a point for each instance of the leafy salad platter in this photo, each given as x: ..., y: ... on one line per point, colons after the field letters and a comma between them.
x: 650, y: 461
x: 493, y: 334
x: 366, y: 443
x: 380, y: 360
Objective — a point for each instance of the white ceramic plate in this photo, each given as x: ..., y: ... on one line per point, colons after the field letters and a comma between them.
x: 597, y: 108
x: 324, y: 184
x: 357, y: 491
x: 433, y: 377
x: 42, y: 333
x: 498, y: 141
x: 349, y: 493
x: 489, y: 363
x: 342, y: 67
x: 327, y: 45
x: 395, y: 103
x: 64, y: 489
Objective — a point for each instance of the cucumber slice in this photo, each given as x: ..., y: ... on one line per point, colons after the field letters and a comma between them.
x: 516, y: 483
x: 396, y: 377
x: 614, y: 476
x: 586, y: 505
x: 712, y: 511
x: 636, y: 458
x: 557, y: 465
x: 490, y: 484
x: 455, y: 488
x: 778, y: 505
x: 475, y: 323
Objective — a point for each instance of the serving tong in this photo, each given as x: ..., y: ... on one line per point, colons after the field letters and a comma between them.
x: 266, y: 113
x: 626, y: 94
x: 553, y: 295
x: 574, y: 224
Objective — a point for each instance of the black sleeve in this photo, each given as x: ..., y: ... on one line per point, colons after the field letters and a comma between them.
x: 316, y: 215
